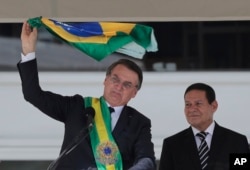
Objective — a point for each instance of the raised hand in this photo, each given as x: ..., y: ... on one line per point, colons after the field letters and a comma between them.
x: 28, y: 38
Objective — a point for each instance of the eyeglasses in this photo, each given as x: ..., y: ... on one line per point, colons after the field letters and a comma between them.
x: 125, y: 85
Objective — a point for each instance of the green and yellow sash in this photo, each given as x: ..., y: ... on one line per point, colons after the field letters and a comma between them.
x: 106, y: 152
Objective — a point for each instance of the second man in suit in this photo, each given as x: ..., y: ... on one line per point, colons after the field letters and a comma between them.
x: 205, y: 145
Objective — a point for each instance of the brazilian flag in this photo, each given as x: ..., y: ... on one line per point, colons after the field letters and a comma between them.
x: 100, y: 39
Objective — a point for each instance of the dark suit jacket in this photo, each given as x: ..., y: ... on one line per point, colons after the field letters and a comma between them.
x: 132, y: 132
x: 180, y: 152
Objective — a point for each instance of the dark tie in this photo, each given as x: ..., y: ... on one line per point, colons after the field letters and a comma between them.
x: 111, y: 109
x: 203, y: 149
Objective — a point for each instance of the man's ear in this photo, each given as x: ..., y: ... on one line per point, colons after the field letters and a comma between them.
x: 215, y: 105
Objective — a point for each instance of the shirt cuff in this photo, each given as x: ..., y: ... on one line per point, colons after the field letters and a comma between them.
x: 143, y: 164
x: 28, y: 57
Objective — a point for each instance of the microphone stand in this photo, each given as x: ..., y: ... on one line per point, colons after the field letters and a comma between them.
x: 77, y: 140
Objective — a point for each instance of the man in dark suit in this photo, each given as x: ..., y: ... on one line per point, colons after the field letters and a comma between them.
x: 188, y: 150
x: 125, y: 139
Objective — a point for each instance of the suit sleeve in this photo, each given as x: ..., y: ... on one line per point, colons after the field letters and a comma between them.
x: 244, y: 146
x: 144, y: 149
x: 54, y: 105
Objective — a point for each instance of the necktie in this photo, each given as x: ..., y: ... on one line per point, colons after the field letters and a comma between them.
x: 203, y: 149
x: 111, y: 109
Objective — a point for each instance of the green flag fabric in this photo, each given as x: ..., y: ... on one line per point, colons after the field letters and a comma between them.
x: 100, y: 39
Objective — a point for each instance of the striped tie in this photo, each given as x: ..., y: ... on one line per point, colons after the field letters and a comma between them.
x: 203, y: 149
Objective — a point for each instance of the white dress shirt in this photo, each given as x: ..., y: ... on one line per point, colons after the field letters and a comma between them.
x: 115, y: 115
x: 208, y: 138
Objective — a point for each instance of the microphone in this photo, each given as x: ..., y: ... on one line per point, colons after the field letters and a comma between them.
x: 90, y: 114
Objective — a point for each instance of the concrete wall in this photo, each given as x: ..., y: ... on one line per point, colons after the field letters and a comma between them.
x: 27, y: 134
x: 129, y: 10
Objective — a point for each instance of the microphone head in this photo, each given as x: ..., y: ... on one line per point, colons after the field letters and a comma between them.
x: 90, y: 112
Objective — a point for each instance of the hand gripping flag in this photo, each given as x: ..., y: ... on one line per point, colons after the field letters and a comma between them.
x: 100, y: 39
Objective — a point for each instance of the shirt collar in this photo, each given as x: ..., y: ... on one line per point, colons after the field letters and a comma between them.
x: 210, y: 129
x: 118, y: 109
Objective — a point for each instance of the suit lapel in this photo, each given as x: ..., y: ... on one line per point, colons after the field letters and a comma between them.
x: 216, y: 146
x: 122, y: 122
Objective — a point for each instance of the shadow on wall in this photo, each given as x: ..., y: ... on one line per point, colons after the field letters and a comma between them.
x: 24, y: 165
x: 28, y: 165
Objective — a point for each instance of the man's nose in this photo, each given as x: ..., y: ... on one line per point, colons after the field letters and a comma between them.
x: 119, y: 85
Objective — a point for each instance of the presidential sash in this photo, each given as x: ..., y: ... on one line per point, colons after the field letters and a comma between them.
x: 106, y: 152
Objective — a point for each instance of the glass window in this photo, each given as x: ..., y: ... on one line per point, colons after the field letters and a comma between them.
x: 183, y: 46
